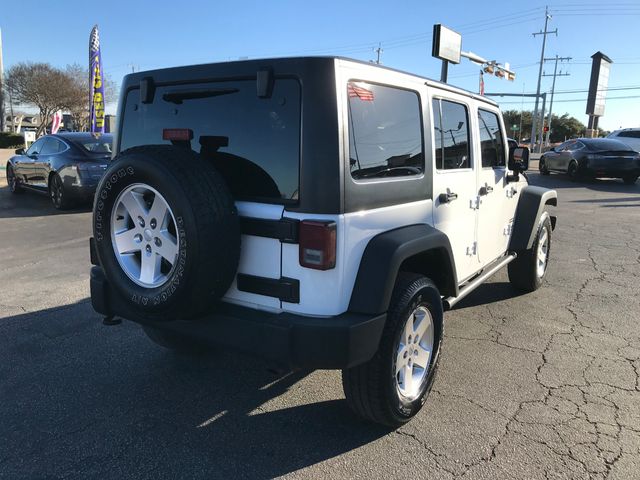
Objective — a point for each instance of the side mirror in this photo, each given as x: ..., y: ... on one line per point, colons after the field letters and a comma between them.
x: 519, y: 159
x: 20, y: 151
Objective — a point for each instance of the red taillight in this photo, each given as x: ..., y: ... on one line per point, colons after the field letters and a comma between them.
x: 317, y: 244
x: 177, y: 134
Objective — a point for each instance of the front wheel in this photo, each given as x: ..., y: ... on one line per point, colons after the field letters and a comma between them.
x: 12, y: 181
x: 572, y: 171
x: 391, y: 388
x: 630, y: 179
x: 543, y: 167
x: 527, y: 271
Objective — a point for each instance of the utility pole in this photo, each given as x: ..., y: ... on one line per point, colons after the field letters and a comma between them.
x: 553, y: 88
x: 378, y: 50
x: 544, y: 34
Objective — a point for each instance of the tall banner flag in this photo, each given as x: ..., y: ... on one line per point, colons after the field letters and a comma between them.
x: 56, y: 121
x: 96, y: 84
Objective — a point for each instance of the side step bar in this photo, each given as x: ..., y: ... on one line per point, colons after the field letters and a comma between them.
x: 449, y: 302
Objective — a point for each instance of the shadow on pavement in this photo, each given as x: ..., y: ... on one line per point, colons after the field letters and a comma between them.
x: 30, y: 204
x: 489, y: 293
x: 82, y: 399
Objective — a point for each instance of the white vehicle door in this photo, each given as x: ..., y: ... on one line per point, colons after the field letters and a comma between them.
x: 498, y: 199
x: 455, y: 182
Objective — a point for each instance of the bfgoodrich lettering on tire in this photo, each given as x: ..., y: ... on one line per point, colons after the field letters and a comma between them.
x: 166, y: 230
x: 392, y: 387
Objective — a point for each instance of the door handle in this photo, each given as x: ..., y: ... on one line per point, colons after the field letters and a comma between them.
x: 486, y: 190
x: 447, y: 197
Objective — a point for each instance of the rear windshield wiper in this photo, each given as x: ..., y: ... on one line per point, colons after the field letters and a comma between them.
x: 179, y: 96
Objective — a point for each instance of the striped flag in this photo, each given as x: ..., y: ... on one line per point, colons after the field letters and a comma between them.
x: 56, y: 120
x: 96, y: 83
x: 359, y: 92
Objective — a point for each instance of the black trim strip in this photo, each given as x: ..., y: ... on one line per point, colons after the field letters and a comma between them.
x: 93, y: 253
x: 285, y: 289
x: 284, y: 229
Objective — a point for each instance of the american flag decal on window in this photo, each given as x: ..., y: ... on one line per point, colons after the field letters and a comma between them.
x: 359, y: 92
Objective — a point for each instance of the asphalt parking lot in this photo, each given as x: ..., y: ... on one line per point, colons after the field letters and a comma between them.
x: 544, y: 385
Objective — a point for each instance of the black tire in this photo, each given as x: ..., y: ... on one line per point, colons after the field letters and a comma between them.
x: 57, y: 193
x: 207, y: 225
x: 172, y: 341
x: 523, y: 271
x: 630, y: 179
x: 13, y: 182
x: 371, y: 389
x: 572, y: 170
x: 542, y: 166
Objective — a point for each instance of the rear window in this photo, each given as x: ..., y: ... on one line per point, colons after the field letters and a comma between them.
x: 607, y: 144
x: 96, y: 145
x: 253, y: 142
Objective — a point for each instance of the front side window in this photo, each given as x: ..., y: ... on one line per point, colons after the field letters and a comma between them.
x: 630, y: 134
x: 491, y: 141
x: 36, y: 146
x: 385, y: 131
x: 451, y: 135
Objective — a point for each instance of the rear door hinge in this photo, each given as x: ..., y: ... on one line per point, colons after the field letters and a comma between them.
x: 474, y: 203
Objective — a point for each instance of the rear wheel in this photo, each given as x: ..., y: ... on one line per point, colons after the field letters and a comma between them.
x: 630, y: 179
x: 392, y: 387
x: 12, y: 181
x: 527, y: 271
x: 58, y: 194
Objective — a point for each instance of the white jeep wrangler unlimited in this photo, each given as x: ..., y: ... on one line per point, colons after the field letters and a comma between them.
x: 319, y: 212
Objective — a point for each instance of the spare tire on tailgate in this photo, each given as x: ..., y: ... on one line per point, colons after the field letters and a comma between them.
x: 166, y: 230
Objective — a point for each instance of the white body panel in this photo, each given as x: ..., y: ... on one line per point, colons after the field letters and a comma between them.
x: 326, y: 293
x: 259, y: 256
x: 497, y: 208
x: 458, y: 218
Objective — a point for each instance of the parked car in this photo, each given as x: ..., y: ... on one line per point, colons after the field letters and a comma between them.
x: 331, y: 236
x: 591, y: 158
x: 66, y: 166
x: 629, y: 136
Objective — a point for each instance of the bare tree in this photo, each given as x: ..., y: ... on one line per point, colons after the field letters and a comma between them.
x: 39, y: 84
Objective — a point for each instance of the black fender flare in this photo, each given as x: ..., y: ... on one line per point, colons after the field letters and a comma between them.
x: 384, y: 255
x: 531, y: 205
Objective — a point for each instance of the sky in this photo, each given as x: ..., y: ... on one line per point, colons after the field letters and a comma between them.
x: 142, y: 35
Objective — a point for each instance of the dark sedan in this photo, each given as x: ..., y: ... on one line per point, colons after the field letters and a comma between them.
x: 66, y: 166
x: 592, y: 158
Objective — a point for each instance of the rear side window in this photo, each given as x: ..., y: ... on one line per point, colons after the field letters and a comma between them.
x: 385, y: 131
x: 253, y: 142
x: 451, y: 135
x: 491, y: 141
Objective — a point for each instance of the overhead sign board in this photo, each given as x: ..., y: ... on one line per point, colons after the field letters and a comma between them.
x: 598, y: 84
x: 447, y: 44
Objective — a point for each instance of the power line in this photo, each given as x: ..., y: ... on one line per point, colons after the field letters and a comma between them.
x: 574, y: 100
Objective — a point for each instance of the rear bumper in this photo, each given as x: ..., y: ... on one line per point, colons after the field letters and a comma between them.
x: 291, y: 340
x: 603, y: 170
